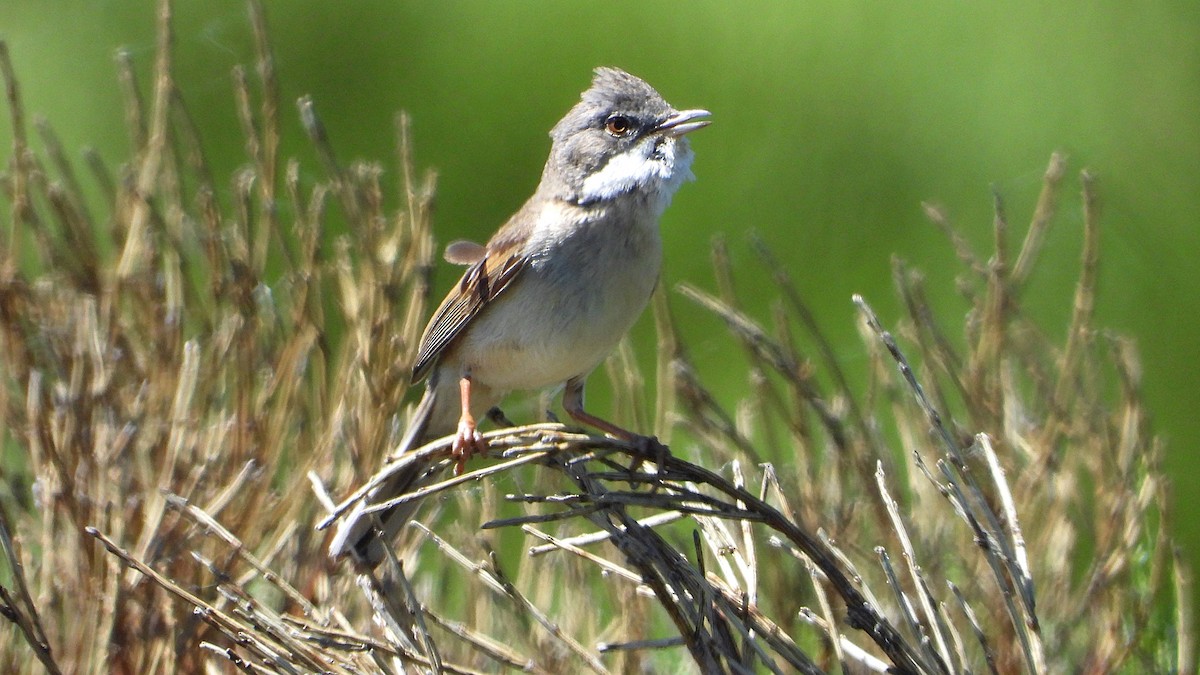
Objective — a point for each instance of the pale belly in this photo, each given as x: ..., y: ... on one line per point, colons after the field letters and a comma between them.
x: 557, y: 323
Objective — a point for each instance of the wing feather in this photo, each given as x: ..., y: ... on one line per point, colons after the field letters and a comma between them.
x: 482, y: 283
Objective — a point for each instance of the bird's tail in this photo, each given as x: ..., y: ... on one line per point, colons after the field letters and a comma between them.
x: 357, y: 533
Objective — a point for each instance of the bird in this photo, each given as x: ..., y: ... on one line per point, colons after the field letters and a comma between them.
x: 553, y: 291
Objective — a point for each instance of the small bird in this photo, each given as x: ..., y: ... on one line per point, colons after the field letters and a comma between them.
x: 553, y: 291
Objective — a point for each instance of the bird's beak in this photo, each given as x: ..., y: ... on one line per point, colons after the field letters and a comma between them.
x: 683, y: 122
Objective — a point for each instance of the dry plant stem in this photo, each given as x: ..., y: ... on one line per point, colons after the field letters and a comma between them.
x: 662, y: 643
x: 765, y: 348
x: 188, y: 393
x: 1079, y: 334
x: 976, y: 628
x: 1185, y: 620
x: 418, y: 613
x: 973, y: 508
x: 828, y: 620
x: 937, y: 215
x: 457, y: 480
x: 488, y: 647
x: 852, y: 652
x: 494, y: 579
x: 861, y: 614
x: 908, y: 614
x: 386, y: 611
x: 931, y: 619
x: 21, y: 208
x: 557, y: 544
x: 1021, y: 557
x: 543, y: 619
x: 572, y: 543
x: 392, y: 612
x: 21, y: 610
x: 828, y: 354
x: 265, y: 144
x: 222, y: 621
x: 135, y: 252
x: 212, y: 526
x: 1042, y: 217
x: 439, y: 450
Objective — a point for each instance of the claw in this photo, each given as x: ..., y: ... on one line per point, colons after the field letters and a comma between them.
x: 468, y: 441
x: 649, y: 448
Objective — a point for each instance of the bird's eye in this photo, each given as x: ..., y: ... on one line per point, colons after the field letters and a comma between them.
x: 618, y: 125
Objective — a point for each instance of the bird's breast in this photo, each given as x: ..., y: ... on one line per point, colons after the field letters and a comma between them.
x: 589, y: 277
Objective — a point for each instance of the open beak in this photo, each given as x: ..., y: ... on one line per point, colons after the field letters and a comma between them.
x: 683, y: 122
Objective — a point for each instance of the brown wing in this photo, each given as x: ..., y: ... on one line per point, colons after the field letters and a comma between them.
x: 482, y: 283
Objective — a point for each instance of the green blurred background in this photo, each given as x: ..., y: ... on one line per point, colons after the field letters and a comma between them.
x: 833, y: 120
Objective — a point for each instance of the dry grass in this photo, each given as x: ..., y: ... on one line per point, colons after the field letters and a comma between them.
x: 176, y: 415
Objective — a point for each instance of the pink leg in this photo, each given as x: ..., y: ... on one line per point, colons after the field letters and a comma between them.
x: 646, y: 446
x: 468, y: 441
x: 573, y: 404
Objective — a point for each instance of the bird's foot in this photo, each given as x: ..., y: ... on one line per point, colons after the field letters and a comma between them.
x: 468, y: 441
x: 649, y: 448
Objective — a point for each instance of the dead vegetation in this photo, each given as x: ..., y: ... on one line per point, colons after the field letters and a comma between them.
x: 192, y: 366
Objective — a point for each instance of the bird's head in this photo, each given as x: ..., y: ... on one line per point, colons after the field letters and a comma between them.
x: 621, y: 139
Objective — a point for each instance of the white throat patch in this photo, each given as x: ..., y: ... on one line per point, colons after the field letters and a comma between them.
x: 659, y: 168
